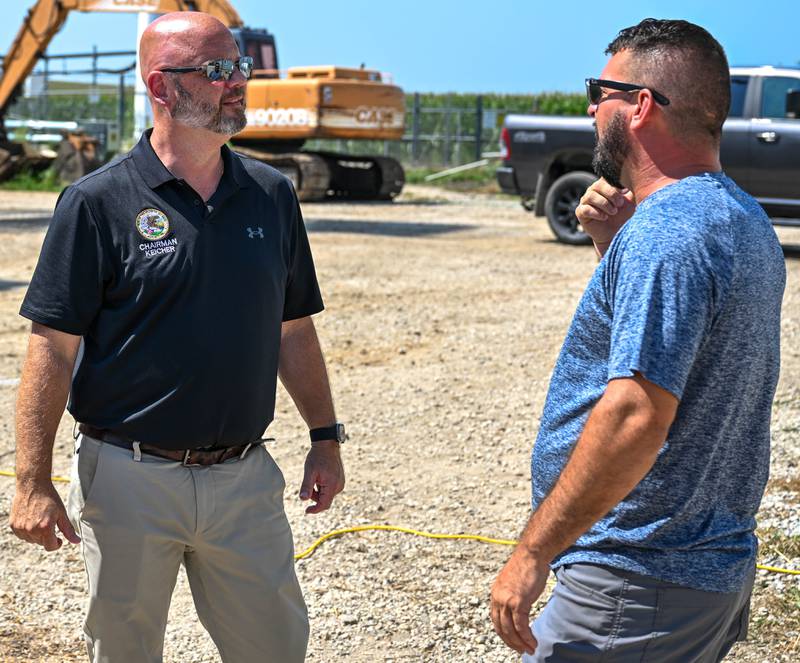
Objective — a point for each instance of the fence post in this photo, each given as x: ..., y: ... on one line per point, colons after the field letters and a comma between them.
x: 45, y: 86
x: 121, y: 107
x: 95, y: 96
x: 478, y: 126
x: 415, y: 129
x: 458, y: 136
x: 447, y: 110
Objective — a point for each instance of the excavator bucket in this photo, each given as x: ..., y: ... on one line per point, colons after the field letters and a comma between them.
x: 77, y: 156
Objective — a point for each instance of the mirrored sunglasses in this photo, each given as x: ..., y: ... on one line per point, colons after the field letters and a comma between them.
x: 217, y: 70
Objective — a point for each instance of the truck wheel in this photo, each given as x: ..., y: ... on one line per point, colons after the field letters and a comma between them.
x: 559, y: 206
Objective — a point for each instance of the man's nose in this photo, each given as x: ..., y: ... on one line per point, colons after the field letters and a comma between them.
x: 237, y: 79
x: 591, y: 110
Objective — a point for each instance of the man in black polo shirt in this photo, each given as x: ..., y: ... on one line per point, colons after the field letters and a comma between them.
x: 174, y: 285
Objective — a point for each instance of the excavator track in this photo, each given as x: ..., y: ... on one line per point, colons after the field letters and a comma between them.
x: 326, y: 175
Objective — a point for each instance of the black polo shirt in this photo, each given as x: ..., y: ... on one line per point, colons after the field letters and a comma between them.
x: 179, y: 302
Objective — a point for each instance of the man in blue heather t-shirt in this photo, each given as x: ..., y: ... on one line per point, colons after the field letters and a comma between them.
x: 653, y: 449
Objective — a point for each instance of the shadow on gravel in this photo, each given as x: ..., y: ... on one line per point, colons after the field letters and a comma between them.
x: 422, y: 201
x: 552, y: 241
x: 10, y: 285
x: 791, y: 251
x: 11, y: 223
x: 419, y: 202
x: 387, y: 228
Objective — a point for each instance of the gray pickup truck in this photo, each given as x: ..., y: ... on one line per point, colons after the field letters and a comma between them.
x: 548, y: 160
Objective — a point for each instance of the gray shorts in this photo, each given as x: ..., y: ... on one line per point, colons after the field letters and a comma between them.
x: 597, y: 613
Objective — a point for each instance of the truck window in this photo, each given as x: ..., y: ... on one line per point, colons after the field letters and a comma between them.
x: 773, y: 95
x: 738, y: 93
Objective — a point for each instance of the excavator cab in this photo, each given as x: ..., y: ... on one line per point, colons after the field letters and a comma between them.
x: 259, y: 45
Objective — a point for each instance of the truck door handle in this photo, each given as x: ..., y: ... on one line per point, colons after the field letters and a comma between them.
x: 768, y: 136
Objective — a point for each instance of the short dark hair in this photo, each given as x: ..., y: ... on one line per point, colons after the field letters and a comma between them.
x: 685, y: 63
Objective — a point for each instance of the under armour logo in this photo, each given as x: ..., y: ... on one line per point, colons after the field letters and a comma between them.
x: 258, y: 232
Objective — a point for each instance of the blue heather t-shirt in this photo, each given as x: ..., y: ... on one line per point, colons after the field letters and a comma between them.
x: 689, y: 296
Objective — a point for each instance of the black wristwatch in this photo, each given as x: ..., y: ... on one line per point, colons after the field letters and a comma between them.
x: 335, y: 432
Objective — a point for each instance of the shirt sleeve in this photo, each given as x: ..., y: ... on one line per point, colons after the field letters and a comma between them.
x: 66, y: 290
x: 664, y: 298
x: 303, y: 297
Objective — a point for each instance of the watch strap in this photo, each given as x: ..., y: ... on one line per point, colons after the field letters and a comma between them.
x: 326, y: 433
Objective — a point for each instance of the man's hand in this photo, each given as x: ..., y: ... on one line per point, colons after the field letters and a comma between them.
x: 618, y: 446
x: 518, y: 585
x: 36, y: 511
x: 603, y: 210
x: 302, y: 371
x: 324, y: 475
x: 44, y: 385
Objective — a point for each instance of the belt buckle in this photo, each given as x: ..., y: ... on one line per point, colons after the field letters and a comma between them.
x: 186, y: 462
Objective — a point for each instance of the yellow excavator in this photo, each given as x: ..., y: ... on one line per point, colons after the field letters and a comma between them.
x: 282, y: 111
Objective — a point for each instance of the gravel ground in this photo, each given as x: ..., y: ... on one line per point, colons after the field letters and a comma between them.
x: 445, y: 315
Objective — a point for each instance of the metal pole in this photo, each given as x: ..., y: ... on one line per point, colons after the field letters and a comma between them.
x: 94, y: 66
x: 45, y: 86
x: 446, y: 156
x: 415, y: 124
x: 94, y: 97
x: 121, y: 108
x: 458, y: 136
x: 140, y: 101
x: 478, y: 126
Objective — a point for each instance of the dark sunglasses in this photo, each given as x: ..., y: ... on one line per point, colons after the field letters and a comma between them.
x: 594, y: 90
x: 217, y: 70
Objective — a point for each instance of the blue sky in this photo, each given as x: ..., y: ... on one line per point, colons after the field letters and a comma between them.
x: 469, y: 46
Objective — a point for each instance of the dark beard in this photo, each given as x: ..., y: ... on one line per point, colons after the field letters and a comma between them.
x: 203, y: 115
x: 610, y: 151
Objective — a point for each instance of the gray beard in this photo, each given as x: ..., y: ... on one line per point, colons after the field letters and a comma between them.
x: 203, y: 115
x: 610, y: 151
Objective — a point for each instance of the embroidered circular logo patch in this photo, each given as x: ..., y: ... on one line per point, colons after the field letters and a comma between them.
x: 152, y: 224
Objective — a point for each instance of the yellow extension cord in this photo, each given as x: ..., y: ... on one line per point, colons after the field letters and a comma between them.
x: 428, y: 535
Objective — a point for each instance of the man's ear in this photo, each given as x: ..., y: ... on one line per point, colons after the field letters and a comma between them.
x: 644, y: 109
x: 156, y: 83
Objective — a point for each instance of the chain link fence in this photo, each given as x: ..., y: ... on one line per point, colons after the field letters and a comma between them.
x: 444, y: 130
x: 96, y: 90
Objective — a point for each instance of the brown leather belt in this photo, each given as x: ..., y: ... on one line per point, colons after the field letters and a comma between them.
x: 183, y: 456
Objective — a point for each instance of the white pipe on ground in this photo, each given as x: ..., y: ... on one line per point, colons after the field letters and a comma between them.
x: 457, y: 169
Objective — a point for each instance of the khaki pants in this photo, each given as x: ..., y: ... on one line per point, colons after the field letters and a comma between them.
x: 139, y: 520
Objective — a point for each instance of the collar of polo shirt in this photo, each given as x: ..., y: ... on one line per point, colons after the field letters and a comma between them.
x: 155, y: 173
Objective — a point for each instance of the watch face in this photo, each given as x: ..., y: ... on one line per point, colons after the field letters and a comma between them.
x: 341, y: 436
